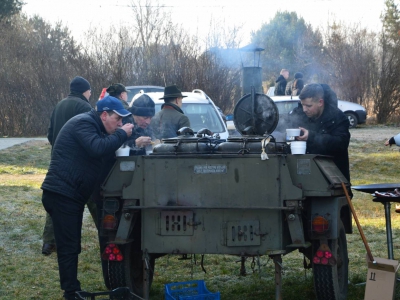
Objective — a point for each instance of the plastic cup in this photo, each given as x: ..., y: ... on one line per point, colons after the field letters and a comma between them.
x: 298, y: 147
x: 293, y: 132
x: 122, y: 151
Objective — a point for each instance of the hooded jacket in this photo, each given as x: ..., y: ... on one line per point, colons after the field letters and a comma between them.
x: 67, y: 108
x: 328, y: 135
x: 280, y: 86
x: 77, y: 154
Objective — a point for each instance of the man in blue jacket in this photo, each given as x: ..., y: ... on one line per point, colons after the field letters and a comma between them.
x: 75, y: 165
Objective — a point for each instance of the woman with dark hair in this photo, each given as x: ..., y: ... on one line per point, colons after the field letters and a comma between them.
x: 297, y: 86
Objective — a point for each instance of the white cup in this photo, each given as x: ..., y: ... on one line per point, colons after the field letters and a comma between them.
x: 298, y: 147
x: 123, y: 151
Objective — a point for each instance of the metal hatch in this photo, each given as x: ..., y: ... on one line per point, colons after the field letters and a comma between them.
x: 255, y: 114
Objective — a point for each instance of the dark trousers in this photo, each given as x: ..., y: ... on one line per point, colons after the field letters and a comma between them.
x: 67, y: 215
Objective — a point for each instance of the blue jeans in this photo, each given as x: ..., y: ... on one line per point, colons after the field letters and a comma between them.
x: 67, y: 215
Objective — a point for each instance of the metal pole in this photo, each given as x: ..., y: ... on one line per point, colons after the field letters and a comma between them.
x: 389, y: 239
x: 278, y: 276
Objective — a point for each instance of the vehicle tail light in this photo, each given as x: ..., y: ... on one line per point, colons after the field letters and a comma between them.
x: 112, y: 253
x: 103, y: 92
x: 320, y: 224
x: 324, y: 256
x: 109, y: 222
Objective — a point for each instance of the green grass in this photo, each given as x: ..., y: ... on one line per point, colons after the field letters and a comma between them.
x: 27, y: 274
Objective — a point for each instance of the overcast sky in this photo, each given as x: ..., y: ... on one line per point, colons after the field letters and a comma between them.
x: 78, y: 15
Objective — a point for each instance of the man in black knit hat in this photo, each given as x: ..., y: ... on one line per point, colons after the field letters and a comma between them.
x: 75, y: 103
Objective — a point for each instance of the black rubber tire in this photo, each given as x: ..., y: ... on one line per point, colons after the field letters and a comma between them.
x: 330, y: 282
x: 352, y: 119
x: 134, y: 271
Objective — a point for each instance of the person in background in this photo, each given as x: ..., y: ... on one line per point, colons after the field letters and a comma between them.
x: 297, y: 87
x: 143, y: 110
x: 280, y: 83
x: 170, y: 119
x: 75, y: 103
x: 289, y: 85
x: 394, y: 140
x: 120, y: 92
x: 324, y: 127
x: 76, y: 162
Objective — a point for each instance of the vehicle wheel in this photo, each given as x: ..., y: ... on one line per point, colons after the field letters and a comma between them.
x: 352, y: 119
x: 330, y: 282
x: 127, y: 273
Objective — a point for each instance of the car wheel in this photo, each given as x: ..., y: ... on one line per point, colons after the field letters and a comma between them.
x: 352, y: 119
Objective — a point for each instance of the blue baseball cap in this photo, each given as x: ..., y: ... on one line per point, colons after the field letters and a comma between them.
x: 112, y: 103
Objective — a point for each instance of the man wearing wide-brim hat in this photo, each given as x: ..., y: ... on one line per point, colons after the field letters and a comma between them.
x: 171, y: 118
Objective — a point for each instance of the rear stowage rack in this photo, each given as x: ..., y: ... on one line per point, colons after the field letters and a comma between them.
x: 121, y: 293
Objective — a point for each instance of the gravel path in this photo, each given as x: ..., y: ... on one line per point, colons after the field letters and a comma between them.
x: 374, y: 133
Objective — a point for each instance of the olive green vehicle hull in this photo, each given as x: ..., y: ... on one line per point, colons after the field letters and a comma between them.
x: 232, y: 204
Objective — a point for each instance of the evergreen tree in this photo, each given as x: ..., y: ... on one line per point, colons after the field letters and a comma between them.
x: 9, y: 8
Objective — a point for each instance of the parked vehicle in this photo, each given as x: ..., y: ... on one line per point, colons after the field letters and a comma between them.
x: 133, y: 90
x: 356, y: 113
x: 247, y: 196
x: 199, y: 108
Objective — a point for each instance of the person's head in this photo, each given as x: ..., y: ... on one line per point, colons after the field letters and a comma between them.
x: 80, y: 85
x: 118, y: 90
x: 285, y: 73
x: 298, y: 75
x: 173, y: 95
x: 143, y: 110
x: 312, y: 100
x: 298, y: 84
x: 111, y: 112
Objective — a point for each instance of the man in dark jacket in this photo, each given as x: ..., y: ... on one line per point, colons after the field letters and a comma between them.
x: 325, y: 128
x: 77, y: 102
x: 280, y: 83
x: 170, y: 119
x: 76, y: 161
x: 143, y: 110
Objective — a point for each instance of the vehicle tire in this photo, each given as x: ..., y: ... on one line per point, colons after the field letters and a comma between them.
x: 352, y: 119
x: 330, y: 282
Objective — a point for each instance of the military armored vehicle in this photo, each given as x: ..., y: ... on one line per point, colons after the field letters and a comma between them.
x: 246, y: 196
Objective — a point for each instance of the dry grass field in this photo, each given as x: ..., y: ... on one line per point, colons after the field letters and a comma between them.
x: 27, y: 274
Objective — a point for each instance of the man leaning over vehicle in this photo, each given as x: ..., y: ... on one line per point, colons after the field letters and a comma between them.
x: 75, y: 165
x: 77, y: 102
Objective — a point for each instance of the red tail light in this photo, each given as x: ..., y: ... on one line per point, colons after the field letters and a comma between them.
x: 103, y: 92
x: 324, y: 256
x: 320, y: 224
x: 112, y: 253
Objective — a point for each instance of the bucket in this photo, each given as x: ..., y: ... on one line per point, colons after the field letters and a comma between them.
x: 298, y: 147
x: 123, y: 151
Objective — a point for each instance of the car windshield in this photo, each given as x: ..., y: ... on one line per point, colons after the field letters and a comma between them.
x: 201, y: 115
x: 286, y: 107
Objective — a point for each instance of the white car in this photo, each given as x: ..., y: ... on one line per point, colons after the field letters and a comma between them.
x: 199, y: 108
x: 354, y: 112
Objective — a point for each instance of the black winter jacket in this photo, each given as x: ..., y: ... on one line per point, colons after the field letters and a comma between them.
x: 280, y: 86
x: 67, y: 108
x: 76, y: 159
x: 328, y: 135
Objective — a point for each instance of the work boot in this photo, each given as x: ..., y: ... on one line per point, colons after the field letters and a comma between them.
x: 47, y: 249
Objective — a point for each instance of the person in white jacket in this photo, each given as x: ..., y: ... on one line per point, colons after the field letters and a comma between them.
x: 394, y: 140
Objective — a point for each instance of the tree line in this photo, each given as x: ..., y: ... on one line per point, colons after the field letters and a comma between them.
x: 39, y: 60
